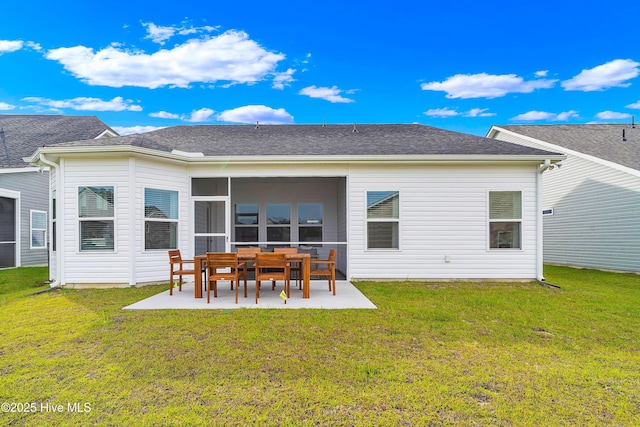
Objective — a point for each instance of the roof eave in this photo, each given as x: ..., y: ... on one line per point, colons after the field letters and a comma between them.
x: 54, y: 152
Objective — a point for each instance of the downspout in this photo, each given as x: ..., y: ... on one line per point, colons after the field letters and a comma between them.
x: 539, y: 221
x: 56, y: 283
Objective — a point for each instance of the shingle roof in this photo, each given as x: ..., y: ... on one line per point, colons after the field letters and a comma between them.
x: 310, y: 140
x: 598, y: 140
x: 21, y: 135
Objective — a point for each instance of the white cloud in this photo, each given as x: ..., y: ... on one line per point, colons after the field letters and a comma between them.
x: 441, y: 112
x: 164, y: 115
x: 611, y: 74
x: 159, y: 34
x: 542, y: 73
x: 331, y: 94
x: 612, y: 115
x: 566, y: 115
x: 446, y: 112
x: 231, y: 56
x: 7, y: 46
x: 256, y: 113
x: 87, y: 104
x: 543, y: 115
x: 5, y: 107
x: 198, y: 116
x: 485, y: 85
x: 134, y: 129
x: 635, y: 105
x: 283, y: 79
x: 479, y: 112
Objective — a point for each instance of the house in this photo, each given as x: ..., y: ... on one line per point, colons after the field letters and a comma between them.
x: 592, y: 203
x: 396, y: 201
x: 24, y: 189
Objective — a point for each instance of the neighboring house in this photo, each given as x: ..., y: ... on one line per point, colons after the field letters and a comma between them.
x: 592, y: 203
x: 396, y: 201
x: 24, y: 189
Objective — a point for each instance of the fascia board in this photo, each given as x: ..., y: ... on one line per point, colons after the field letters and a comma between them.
x: 77, y: 151
x: 554, y: 147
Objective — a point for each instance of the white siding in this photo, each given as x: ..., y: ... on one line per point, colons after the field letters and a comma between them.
x: 96, y: 267
x: 596, y: 220
x: 153, y: 265
x: 443, y: 213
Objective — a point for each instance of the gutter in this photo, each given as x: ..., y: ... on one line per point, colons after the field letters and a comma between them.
x: 201, y: 159
x: 56, y: 283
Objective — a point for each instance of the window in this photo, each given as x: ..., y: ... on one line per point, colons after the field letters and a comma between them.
x: 278, y: 223
x: 96, y: 217
x: 161, y: 219
x: 505, y: 219
x: 383, y: 219
x: 310, y: 219
x: 246, y: 222
x: 38, y: 229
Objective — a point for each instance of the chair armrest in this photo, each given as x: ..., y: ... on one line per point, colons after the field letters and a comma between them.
x: 319, y: 261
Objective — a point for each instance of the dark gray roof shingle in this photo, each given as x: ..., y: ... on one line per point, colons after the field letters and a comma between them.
x: 598, y: 140
x: 310, y: 140
x: 21, y: 135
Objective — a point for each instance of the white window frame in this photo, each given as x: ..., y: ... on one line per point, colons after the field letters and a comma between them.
x: 168, y: 220
x: 510, y: 220
x: 382, y: 220
x: 92, y: 218
x: 43, y: 230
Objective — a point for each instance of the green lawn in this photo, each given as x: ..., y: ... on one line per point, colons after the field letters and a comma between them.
x: 462, y: 354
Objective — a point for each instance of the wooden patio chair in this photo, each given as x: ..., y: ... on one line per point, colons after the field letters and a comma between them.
x: 179, y: 267
x: 249, y: 251
x: 326, y: 268
x: 232, y: 270
x: 272, y: 266
x: 294, y: 267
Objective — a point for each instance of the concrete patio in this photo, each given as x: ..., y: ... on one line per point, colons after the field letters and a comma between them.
x: 347, y: 296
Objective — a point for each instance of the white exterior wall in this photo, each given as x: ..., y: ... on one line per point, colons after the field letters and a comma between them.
x: 129, y: 263
x: 443, y: 212
x: 596, y: 220
x: 96, y: 267
x: 153, y: 265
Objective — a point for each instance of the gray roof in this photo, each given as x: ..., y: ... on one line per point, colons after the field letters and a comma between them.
x: 310, y: 140
x: 21, y: 135
x: 598, y: 140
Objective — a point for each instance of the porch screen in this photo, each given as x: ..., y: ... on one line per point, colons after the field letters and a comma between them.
x: 7, y: 232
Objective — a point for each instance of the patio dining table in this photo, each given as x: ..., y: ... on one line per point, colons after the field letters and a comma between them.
x: 200, y: 262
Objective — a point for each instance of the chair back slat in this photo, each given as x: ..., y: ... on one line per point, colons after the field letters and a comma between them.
x: 271, y: 260
x: 286, y: 250
x: 174, y: 256
x: 217, y: 260
x: 246, y: 251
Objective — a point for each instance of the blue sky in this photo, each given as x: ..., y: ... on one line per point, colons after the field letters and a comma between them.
x: 462, y: 65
